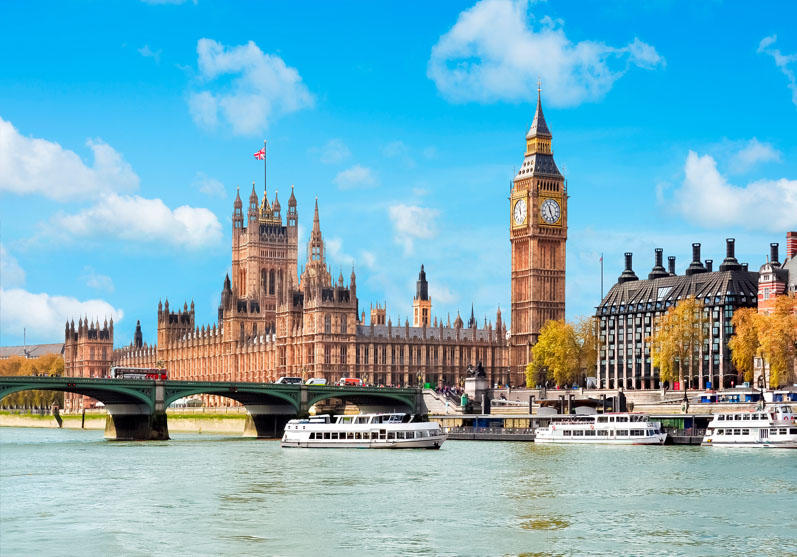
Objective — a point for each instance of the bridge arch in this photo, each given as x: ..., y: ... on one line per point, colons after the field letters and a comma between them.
x: 364, y: 395
x: 244, y: 395
x: 107, y: 394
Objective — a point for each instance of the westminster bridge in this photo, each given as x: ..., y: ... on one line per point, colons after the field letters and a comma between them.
x: 137, y: 408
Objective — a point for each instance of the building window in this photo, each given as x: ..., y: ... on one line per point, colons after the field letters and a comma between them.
x: 343, y: 324
x: 343, y: 355
x: 327, y: 355
x: 327, y: 323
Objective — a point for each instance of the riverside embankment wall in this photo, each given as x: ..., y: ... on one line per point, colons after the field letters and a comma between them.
x: 179, y: 422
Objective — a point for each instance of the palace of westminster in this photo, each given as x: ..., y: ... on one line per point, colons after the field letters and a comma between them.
x: 274, y: 322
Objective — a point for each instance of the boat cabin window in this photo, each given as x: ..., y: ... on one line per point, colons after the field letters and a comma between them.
x: 362, y: 419
x: 566, y: 433
x: 611, y: 418
x: 793, y: 430
x: 622, y: 418
x: 602, y: 432
x: 345, y: 419
x: 578, y: 433
x: 782, y: 431
x: 622, y: 433
x: 603, y: 419
x: 737, y: 431
x: 746, y: 417
x: 745, y: 432
x: 590, y: 433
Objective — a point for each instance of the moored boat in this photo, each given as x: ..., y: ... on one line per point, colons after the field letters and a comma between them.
x: 608, y: 429
x: 773, y: 427
x: 363, y: 431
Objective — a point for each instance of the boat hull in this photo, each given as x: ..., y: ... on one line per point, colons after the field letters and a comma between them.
x: 652, y: 440
x: 425, y: 443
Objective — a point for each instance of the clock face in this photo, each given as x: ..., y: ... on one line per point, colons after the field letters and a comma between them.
x: 519, y: 213
x: 550, y: 211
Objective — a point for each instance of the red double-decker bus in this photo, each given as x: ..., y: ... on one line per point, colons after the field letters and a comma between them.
x: 151, y: 373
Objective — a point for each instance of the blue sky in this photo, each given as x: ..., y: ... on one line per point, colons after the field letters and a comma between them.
x: 126, y: 126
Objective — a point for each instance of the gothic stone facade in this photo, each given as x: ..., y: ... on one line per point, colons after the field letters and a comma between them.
x: 273, y: 323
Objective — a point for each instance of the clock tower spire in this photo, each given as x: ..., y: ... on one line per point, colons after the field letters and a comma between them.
x: 537, y: 234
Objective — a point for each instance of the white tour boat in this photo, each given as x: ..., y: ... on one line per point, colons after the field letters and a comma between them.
x: 611, y: 429
x: 775, y: 426
x: 363, y: 431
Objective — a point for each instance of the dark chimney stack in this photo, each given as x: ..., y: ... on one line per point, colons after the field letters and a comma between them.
x: 671, y: 265
x: 695, y: 266
x: 628, y: 274
x: 730, y: 263
x: 709, y: 265
x: 658, y: 269
x: 773, y: 253
x: 744, y: 267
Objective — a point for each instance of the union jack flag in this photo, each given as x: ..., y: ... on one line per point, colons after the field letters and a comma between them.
x: 261, y: 154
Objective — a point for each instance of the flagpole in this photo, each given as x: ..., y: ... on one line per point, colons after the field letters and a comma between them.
x: 265, y: 184
x: 601, y: 276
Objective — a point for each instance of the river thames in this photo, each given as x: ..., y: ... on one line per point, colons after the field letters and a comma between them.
x: 67, y: 492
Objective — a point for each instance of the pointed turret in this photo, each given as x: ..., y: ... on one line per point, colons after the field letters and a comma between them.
x: 253, y: 210
x: 138, y: 338
x: 538, y: 127
x: 538, y: 159
x: 472, y: 320
x: 293, y: 216
x: 275, y: 208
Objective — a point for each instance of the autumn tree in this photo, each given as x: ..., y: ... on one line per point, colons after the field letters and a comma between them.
x: 586, y: 329
x: 49, y: 364
x: 745, y: 343
x: 778, y: 340
x: 677, y: 341
x: 555, y: 356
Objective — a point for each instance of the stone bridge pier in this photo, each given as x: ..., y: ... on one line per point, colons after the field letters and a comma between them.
x: 138, y: 422
x: 267, y: 421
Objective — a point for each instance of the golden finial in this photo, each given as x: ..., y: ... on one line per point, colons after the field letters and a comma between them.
x: 539, y: 84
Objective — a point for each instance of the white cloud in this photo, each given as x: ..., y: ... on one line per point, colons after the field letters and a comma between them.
x: 334, y: 249
x: 147, y: 52
x: 44, y: 315
x: 357, y: 176
x: 399, y: 150
x: 753, y: 153
x: 96, y: 280
x: 11, y: 274
x: 441, y: 294
x: 368, y: 259
x: 706, y: 198
x: 209, y: 186
x: 37, y: 166
x: 786, y: 63
x: 134, y: 218
x: 411, y: 222
x: 252, y: 88
x: 493, y: 53
x: 333, y: 152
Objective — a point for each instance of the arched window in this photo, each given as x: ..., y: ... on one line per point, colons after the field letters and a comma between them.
x: 263, y: 280
x: 343, y: 324
x: 327, y: 323
x: 271, y: 281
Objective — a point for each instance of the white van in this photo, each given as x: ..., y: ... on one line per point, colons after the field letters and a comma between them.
x: 289, y: 381
x: 316, y: 381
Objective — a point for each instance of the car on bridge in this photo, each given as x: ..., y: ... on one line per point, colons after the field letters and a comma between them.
x: 289, y: 381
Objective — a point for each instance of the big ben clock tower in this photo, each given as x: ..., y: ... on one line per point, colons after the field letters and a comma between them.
x: 537, y: 233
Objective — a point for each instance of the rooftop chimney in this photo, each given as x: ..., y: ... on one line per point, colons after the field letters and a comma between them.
x: 671, y: 265
x: 709, y: 265
x: 628, y: 273
x: 773, y: 253
x: 658, y: 269
x: 744, y: 267
x: 695, y: 266
x: 791, y: 244
x: 730, y: 263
